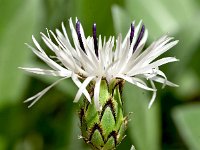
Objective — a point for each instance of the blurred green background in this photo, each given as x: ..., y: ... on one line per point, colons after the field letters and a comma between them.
x: 173, y: 123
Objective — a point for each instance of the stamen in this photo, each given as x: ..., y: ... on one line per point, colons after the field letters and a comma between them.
x: 94, y: 29
x: 139, y: 38
x: 79, y: 35
x: 132, y: 33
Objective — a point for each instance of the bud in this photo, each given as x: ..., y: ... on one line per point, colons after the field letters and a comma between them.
x: 104, y: 129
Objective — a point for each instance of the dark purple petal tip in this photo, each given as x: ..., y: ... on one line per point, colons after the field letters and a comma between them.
x: 140, y: 36
x: 79, y: 35
x: 132, y: 33
x: 78, y: 27
x: 94, y: 31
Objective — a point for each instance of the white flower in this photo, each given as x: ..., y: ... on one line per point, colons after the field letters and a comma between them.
x: 94, y: 59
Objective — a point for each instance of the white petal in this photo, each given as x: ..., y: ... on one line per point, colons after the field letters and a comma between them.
x: 136, y: 33
x: 57, y: 40
x: 141, y: 70
x: 153, y: 51
x: 127, y: 37
x: 82, y: 88
x: 68, y: 44
x: 91, y: 54
x: 123, y: 59
x: 37, y: 44
x: 136, y: 82
x: 49, y: 43
x: 67, y: 60
x: 162, y: 80
x: 36, y: 97
x: 163, y: 61
x: 74, y: 36
x: 110, y: 66
x: 86, y: 62
x: 48, y: 72
x: 45, y: 58
x: 153, y: 96
x: 156, y: 44
x: 141, y: 44
x: 160, y: 51
x: 118, y: 47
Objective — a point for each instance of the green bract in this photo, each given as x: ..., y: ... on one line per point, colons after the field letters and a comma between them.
x: 104, y: 129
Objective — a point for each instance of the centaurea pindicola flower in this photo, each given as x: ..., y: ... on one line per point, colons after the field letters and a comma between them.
x: 100, y: 67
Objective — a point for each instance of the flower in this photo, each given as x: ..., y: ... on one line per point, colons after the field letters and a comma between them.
x: 94, y: 59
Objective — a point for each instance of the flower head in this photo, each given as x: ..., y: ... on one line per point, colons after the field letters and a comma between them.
x: 94, y: 59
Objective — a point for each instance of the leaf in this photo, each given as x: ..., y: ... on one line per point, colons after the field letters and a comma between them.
x: 189, y: 85
x: 189, y: 36
x: 160, y: 17
x: 185, y: 72
x: 187, y: 121
x: 148, y: 12
x: 144, y: 127
x: 99, y: 12
x: 188, y: 9
x: 121, y: 25
x: 57, y: 11
x: 13, y: 53
x: 3, y: 143
x: 10, y: 8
